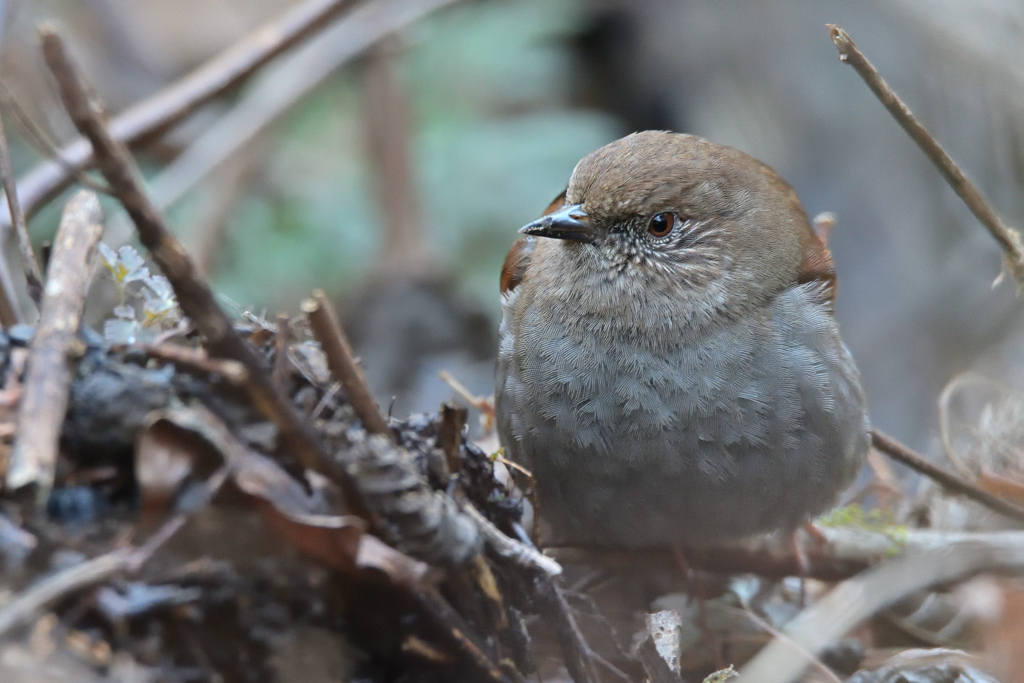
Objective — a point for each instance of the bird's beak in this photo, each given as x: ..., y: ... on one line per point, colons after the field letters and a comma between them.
x: 568, y: 223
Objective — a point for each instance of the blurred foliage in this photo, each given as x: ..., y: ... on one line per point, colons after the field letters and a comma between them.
x: 879, y: 520
x: 722, y: 676
x: 495, y: 141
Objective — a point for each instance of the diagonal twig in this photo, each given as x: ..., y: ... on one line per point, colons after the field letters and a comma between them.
x: 518, y: 553
x: 197, y: 359
x: 1008, y: 239
x: 323, y: 322
x: 63, y: 583
x: 194, y: 294
x: 100, y: 568
x: 277, y: 90
x: 945, y: 478
x: 160, y: 112
x: 575, y: 651
x: 826, y: 673
x: 33, y: 276
x: 50, y: 364
x: 42, y: 142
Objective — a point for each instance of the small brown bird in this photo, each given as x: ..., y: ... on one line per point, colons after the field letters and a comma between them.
x: 669, y: 365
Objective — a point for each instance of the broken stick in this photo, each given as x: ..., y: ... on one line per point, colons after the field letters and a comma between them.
x: 50, y: 364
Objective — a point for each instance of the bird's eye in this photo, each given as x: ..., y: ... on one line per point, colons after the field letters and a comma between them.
x: 662, y: 224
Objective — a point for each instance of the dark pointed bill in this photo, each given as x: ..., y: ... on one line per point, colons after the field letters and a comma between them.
x: 568, y: 223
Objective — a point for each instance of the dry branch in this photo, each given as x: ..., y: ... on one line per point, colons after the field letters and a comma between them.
x: 945, y: 478
x: 33, y: 276
x: 122, y: 560
x: 824, y: 673
x: 518, y: 553
x: 194, y: 294
x: 327, y: 330
x: 158, y: 113
x: 63, y: 583
x: 279, y: 375
x: 1008, y: 239
x: 575, y: 652
x: 846, y: 551
x: 855, y: 600
x: 48, y: 377
x: 454, y: 628
x: 198, y: 359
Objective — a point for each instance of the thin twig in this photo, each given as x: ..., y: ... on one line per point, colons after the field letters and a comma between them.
x: 120, y: 561
x: 449, y: 436
x: 327, y: 330
x: 781, y: 637
x: 479, y: 402
x: 324, y: 401
x: 281, y: 363
x: 454, y: 628
x: 520, y: 554
x: 43, y: 143
x: 275, y: 92
x: 194, y: 294
x: 580, y: 660
x: 855, y: 600
x: 198, y: 359
x: 61, y: 584
x: 156, y: 114
x: 33, y: 276
x: 575, y: 651
x: 10, y: 312
x: 945, y: 478
x: 1007, y: 238
x: 953, y: 387
x: 50, y: 364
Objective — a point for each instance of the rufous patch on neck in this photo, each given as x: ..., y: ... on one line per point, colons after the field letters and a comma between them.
x: 518, y: 258
x: 817, y: 265
x: 516, y: 262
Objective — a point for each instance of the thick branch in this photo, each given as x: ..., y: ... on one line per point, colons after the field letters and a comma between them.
x: 1008, y: 239
x: 48, y: 377
x: 194, y: 294
x: 51, y: 589
x: 158, y: 113
x: 847, y: 551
